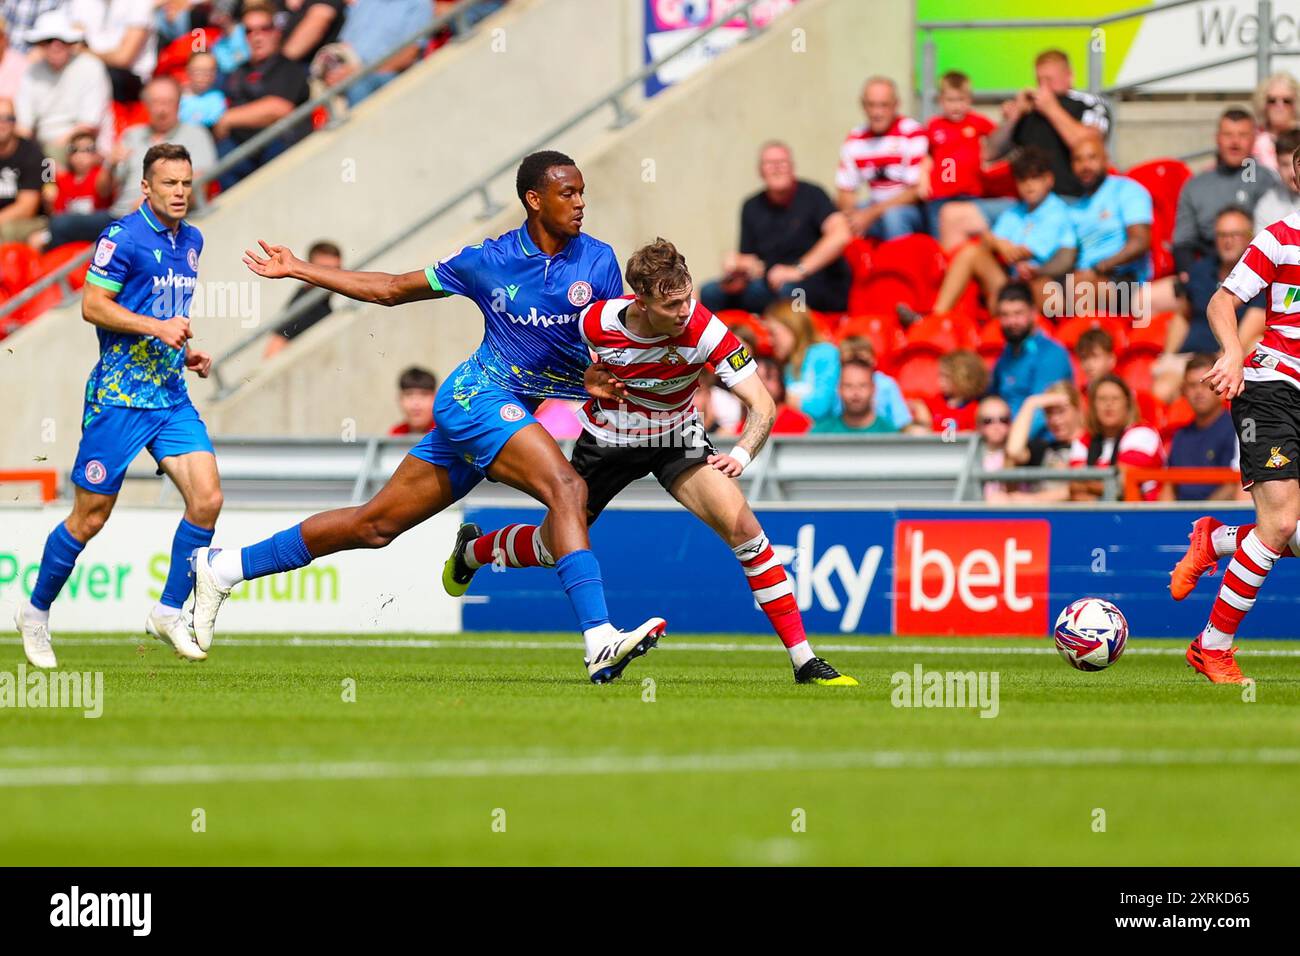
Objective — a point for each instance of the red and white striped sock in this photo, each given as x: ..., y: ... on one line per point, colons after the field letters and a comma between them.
x: 1241, y: 582
x: 514, y: 546
x: 775, y: 595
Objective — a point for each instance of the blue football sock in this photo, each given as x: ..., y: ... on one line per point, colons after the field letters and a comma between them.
x: 180, y: 580
x: 61, y: 551
x: 580, y: 574
x: 283, y: 551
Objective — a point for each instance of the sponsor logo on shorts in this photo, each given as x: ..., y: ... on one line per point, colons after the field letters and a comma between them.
x: 580, y: 293
x: 95, y: 471
x: 104, y: 252
x: 512, y: 412
x: 1276, y: 459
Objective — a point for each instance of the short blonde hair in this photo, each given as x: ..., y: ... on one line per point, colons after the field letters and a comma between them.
x: 1260, y: 99
x: 968, y: 373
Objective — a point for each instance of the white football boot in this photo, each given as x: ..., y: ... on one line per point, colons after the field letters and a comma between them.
x: 36, y: 639
x: 174, y: 631
x: 208, y: 596
x: 611, y: 659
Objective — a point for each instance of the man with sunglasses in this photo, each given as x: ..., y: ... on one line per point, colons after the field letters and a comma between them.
x: 20, y: 180
x: 64, y: 92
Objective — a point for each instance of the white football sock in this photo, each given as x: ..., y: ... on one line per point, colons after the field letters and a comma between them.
x: 597, y: 637
x: 227, y: 566
x: 801, y: 654
x: 164, y: 611
x: 1224, y: 540
x: 33, y: 613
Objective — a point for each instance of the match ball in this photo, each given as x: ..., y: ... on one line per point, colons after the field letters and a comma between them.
x: 1091, y: 634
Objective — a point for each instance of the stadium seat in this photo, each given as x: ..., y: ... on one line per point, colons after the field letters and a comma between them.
x: 916, y: 368
x: 948, y: 332
x: 1069, y: 331
x: 734, y: 318
x: 1134, y: 367
x: 130, y: 114
x: 883, y: 330
x: 55, y: 258
x: 998, y: 181
x: 827, y: 323
x: 1163, y: 179
x: 991, y: 342
x: 173, y: 58
x: 1149, y: 337
x: 920, y: 260
x: 19, y: 265
x: 45, y: 299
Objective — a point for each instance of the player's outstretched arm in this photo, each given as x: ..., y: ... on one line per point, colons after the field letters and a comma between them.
x: 383, y: 288
x: 759, y: 419
x: 99, y: 307
x: 1226, y: 375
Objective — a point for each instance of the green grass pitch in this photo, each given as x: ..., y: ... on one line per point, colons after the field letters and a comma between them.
x: 493, y: 749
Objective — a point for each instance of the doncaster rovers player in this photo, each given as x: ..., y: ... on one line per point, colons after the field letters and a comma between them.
x: 137, y: 294
x: 657, y: 341
x: 530, y: 285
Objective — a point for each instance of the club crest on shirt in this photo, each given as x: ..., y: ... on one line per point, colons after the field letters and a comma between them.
x: 104, y: 252
x: 1276, y: 459
x: 673, y: 357
x: 192, y: 257
x: 580, y: 293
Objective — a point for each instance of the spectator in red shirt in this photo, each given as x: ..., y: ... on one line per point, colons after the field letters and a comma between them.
x: 1095, y: 351
x: 417, y: 387
x: 884, y: 155
x: 789, y: 421
x: 952, y: 170
x: 75, y: 187
x: 1114, y: 437
x: 963, y: 380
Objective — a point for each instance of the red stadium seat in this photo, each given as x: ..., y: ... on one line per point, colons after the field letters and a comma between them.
x: 920, y: 260
x: 56, y: 257
x: 1163, y: 179
x: 173, y: 58
x: 881, y: 293
x: 858, y: 254
x: 45, y: 299
x: 1134, y: 367
x: 991, y: 342
x: 1149, y: 337
x: 998, y: 181
x: 734, y: 318
x: 127, y: 114
x: 883, y: 330
x: 916, y: 368
x: 826, y: 323
x: 948, y: 332
x: 1069, y: 331
x: 19, y: 265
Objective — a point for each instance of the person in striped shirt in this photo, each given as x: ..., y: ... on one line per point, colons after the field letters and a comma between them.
x: 1264, y: 387
x: 654, y: 344
x: 884, y: 155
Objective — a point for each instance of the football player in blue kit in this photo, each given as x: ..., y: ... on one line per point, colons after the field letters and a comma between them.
x: 530, y: 285
x: 137, y: 295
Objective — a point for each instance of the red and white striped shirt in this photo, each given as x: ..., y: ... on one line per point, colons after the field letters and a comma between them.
x: 886, y: 163
x: 660, y: 372
x: 1273, y: 259
x: 1138, y: 445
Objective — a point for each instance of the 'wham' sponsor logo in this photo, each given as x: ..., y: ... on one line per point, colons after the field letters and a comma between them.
x: 174, y: 280
x: 533, y: 317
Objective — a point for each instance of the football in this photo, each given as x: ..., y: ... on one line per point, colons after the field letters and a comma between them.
x: 1091, y: 634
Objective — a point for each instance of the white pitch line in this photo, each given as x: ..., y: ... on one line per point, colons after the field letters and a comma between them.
x: 755, y: 762
x: 686, y: 644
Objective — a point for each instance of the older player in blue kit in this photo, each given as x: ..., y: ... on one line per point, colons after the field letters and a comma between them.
x: 137, y: 295
x: 530, y: 285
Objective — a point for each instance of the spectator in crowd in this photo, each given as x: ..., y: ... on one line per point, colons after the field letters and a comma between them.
x: 120, y: 33
x: 788, y: 421
x: 889, y: 397
x: 963, y: 380
x: 1114, y: 436
x: 260, y: 93
x: 1275, y: 114
x: 1230, y: 183
x: 12, y: 64
x: 1188, y: 331
x: 884, y: 155
x: 951, y: 174
x: 21, y: 15
x: 20, y: 180
x: 1282, y: 200
x: 1095, y: 351
x: 1060, y: 405
x: 719, y: 410
x: 173, y: 19
x: 372, y: 30
x: 858, y: 410
x: 416, y: 389
x: 77, y: 187
x: 1112, y: 219
x: 1030, y: 361
x: 308, y: 25
x: 993, y: 422
x: 812, y: 366
x: 202, y: 99
x: 1032, y: 241
x: 64, y: 92
x: 321, y: 253
x: 791, y: 237
x: 122, y: 174
x: 1053, y: 116
x: 1209, y: 441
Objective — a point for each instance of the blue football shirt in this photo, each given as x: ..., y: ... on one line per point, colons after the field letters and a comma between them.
x: 1101, y: 221
x: 154, y: 272
x: 530, y: 304
x: 1043, y: 230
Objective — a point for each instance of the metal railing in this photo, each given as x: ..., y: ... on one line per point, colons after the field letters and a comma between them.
x: 457, y: 19
x: 1262, y: 55
x: 481, y: 187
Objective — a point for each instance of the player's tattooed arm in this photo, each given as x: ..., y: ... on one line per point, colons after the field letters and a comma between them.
x: 758, y: 426
x: 383, y: 288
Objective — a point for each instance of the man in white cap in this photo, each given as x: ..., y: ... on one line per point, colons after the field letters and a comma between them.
x: 67, y: 91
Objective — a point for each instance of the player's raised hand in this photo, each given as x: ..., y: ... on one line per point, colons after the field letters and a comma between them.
x: 726, y: 464
x: 1226, y: 376
x: 198, y: 362
x: 277, y: 263
x: 600, y: 382
x: 174, y: 331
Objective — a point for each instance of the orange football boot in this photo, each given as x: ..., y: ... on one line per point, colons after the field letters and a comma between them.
x: 1219, y: 667
x: 1199, y: 559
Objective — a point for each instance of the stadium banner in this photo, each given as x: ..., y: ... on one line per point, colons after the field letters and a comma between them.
x: 911, y: 572
x: 121, y: 572
x: 1150, y: 45
x: 671, y: 24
